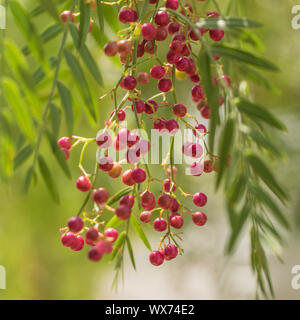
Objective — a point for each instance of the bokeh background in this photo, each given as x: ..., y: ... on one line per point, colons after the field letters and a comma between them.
x: 38, y: 267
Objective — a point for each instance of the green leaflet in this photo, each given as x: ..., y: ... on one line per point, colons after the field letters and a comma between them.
x: 225, y: 146
x: 118, y: 244
x: 100, y: 17
x: 211, y: 92
x: 22, y: 156
x: 81, y: 81
x: 270, y: 204
x: 138, y: 229
x: 58, y: 154
x: 86, y: 56
x: 130, y: 251
x: 243, y: 56
x: 114, y: 222
x: 51, y: 8
x: 55, y: 116
x: 227, y: 23
x: 262, y: 171
x: 66, y: 102
x: 19, y: 108
x: 23, y: 21
x: 85, y: 11
x: 256, y: 112
x: 119, y: 195
x: 46, y: 174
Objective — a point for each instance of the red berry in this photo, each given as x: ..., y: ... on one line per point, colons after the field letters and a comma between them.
x: 178, y: 36
x: 196, y: 169
x: 182, y: 64
x: 127, y: 178
x: 173, y: 27
x: 164, y: 201
x: 208, y: 166
x: 176, y: 46
x: 173, y: 57
x: 92, y: 234
x: 65, y: 14
x: 161, y: 18
x: 174, y: 206
x: 65, y: 143
x: 169, y: 170
x: 179, y: 110
x: 111, y: 48
x: 200, y: 128
x: 143, y: 78
x: 132, y: 139
x: 199, y: 199
x: 164, y: 85
x: 156, y: 258
x: 167, y: 185
x: 172, y: 126
x: 205, y: 112
x: 148, y: 200
x: 121, y: 115
x: 138, y: 175
x: 116, y: 171
x: 83, y: 184
x: 95, y: 254
x: 127, y: 200
x: 216, y: 34
x: 103, y: 140
x: 129, y: 82
x: 150, y: 107
x: 148, y: 31
x: 160, y: 224
x: 105, y: 246
x: 123, y: 212
x: 157, y: 72
x: 106, y: 163
x: 176, y: 221
x: 199, y: 218
x: 100, y: 195
x: 78, y: 244
x: 159, y: 124
x: 195, y: 78
x: 212, y: 14
x: 139, y: 105
x: 133, y: 155
x: 111, y: 233
x: 67, y: 239
x: 124, y: 46
x: 172, y: 4
x: 197, y: 92
x: 75, y: 224
x: 161, y: 34
x: 127, y: 16
x: 150, y: 47
x: 146, y: 216
x: 170, y: 252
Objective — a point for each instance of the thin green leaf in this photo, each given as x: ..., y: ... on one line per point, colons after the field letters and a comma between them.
x: 100, y: 17
x: 85, y: 11
x: 28, y: 178
x: 140, y: 232
x: 22, y: 156
x: 66, y: 102
x: 51, y: 8
x: 270, y: 204
x: 58, y: 154
x: 46, y: 174
x: 225, y: 147
x: 260, y: 168
x: 243, y: 56
x: 237, y: 189
x: 118, y: 244
x: 227, y: 23
x: 55, y: 116
x: 19, y: 108
x: 129, y: 246
x: 237, y: 228
x: 86, y: 56
x: 211, y: 92
x: 114, y: 222
x: 257, y: 112
x: 81, y: 81
x: 119, y: 195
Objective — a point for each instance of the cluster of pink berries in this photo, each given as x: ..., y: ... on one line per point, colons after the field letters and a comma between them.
x: 178, y: 61
x: 65, y: 16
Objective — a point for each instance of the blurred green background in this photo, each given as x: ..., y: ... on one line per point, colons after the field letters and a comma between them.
x: 37, y: 265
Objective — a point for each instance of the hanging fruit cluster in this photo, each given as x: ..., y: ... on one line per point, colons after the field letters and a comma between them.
x: 143, y: 33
